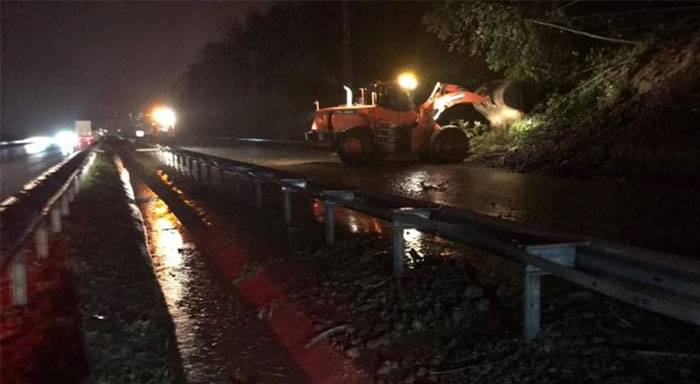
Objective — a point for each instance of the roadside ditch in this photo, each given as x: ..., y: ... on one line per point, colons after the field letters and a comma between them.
x: 127, y: 332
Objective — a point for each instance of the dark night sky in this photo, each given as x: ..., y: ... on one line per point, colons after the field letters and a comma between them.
x: 65, y: 61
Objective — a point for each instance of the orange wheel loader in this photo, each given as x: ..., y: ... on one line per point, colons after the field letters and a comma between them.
x: 389, y: 123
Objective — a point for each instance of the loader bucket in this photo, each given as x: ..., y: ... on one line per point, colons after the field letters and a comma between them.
x: 504, y: 105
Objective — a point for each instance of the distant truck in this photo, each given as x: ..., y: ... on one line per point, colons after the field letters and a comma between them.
x: 83, y: 133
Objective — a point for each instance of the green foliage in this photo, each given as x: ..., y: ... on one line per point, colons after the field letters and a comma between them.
x: 503, y: 36
x: 471, y: 128
x: 584, y: 77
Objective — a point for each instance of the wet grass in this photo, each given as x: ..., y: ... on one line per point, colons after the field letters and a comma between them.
x: 127, y: 331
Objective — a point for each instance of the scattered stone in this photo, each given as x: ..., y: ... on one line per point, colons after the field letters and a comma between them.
x: 473, y: 292
x: 387, y: 367
x: 353, y: 353
x: 417, y: 325
x: 483, y: 304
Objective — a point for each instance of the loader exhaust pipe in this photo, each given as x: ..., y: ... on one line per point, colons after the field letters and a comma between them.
x: 348, y: 95
x: 362, y: 99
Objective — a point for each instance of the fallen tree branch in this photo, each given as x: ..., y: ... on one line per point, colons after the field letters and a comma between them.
x: 325, y: 335
x: 584, y: 33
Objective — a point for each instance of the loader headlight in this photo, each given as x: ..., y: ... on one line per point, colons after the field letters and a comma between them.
x: 408, y: 81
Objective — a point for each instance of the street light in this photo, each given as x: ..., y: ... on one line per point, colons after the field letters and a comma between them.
x: 165, y: 117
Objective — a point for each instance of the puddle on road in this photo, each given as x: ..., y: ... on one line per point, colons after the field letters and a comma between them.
x: 417, y: 243
x: 219, y: 337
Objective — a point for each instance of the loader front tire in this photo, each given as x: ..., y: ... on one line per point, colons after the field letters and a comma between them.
x: 449, y: 145
x: 356, y: 147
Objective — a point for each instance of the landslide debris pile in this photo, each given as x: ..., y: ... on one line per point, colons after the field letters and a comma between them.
x: 636, y: 119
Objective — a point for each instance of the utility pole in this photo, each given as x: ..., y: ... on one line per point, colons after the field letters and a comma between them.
x: 347, y: 48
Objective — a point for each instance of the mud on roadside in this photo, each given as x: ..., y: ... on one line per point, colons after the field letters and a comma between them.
x: 446, y: 320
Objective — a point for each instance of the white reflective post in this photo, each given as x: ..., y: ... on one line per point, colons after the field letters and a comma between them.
x: 19, y: 279
x: 55, y: 219
x: 41, y: 237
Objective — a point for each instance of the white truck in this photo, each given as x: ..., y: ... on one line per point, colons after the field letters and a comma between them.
x: 83, y: 132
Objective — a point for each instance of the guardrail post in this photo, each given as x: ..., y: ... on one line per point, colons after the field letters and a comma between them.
x: 258, y: 192
x: 239, y: 188
x: 222, y: 177
x: 209, y: 174
x: 19, y: 279
x: 237, y: 178
x: 287, y: 198
x: 329, y: 211
x: 199, y: 170
x: 329, y: 220
x: 257, y: 184
x: 70, y: 192
x: 563, y: 254
x: 287, y: 205
x: 398, y: 228
x: 41, y: 238
x: 65, y: 205
x: 76, y: 183
x: 190, y: 167
x: 531, y: 302
x: 55, y: 219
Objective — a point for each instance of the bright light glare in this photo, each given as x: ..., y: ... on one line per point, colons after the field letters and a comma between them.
x: 164, y: 116
x: 139, y: 133
x: 66, y: 141
x: 37, y: 144
x: 408, y: 81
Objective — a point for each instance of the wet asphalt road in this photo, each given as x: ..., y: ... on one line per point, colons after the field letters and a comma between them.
x: 18, y: 170
x: 665, y: 218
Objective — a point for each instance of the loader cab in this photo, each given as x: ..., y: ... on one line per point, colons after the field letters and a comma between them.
x: 393, y: 97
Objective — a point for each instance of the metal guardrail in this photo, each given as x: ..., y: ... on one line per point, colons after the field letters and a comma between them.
x: 656, y: 281
x: 223, y: 140
x: 253, y: 140
x: 34, y: 211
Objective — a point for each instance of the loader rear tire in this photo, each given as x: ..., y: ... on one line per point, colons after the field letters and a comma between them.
x: 449, y: 145
x: 356, y: 147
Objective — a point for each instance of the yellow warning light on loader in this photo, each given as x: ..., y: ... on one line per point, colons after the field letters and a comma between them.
x: 408, y: 81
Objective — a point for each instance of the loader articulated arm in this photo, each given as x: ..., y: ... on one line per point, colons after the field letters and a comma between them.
x: 447, y: 95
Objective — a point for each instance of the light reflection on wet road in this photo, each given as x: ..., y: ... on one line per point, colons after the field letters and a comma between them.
x: 219, y: 337
x: 17, y: 171
x: 658, y: 217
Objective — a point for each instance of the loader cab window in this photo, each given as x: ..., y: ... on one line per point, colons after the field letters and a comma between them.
x: 391, y: 96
